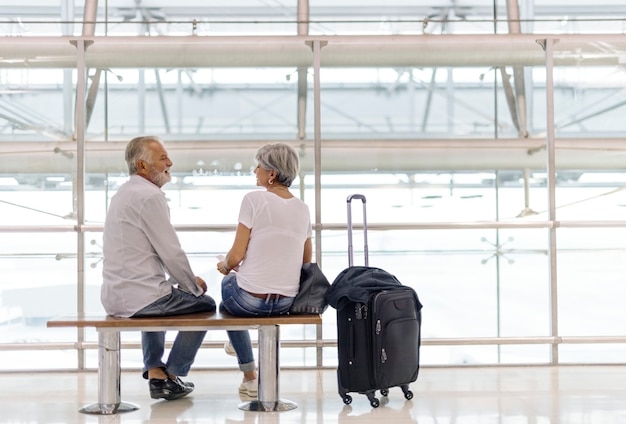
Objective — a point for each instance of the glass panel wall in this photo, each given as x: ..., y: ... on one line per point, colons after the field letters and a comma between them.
x: 451, y: 155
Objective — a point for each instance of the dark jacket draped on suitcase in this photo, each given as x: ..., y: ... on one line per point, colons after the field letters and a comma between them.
x: 355, y: 285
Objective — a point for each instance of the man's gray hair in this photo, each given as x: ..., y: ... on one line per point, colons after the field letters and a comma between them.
x: 281, y: 158
x: 137, y: 149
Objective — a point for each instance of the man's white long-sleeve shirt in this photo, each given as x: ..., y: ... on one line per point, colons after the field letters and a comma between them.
x: 140, y: 246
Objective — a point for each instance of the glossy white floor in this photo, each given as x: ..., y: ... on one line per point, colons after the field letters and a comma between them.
x: 529, y: 395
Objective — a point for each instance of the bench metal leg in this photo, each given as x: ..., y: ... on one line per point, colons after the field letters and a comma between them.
x: 269, y: 344
x: 109, y: 376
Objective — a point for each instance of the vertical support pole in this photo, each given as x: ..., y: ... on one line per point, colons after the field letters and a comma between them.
x: 317, y: 121
x: 141, y: 101
x: 269, y: 381
x: 89, y: 17
x: 269, y: 349
x: 303, y: 29
x: 317, y: 46
x: 548, y: 45
x: 79, y: 184
x: 109, y: 380
x: 166, y: 119
x: 109, y: 377
x: 67, y: 28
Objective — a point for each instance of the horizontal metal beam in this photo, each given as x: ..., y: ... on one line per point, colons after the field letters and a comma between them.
x: 410, y: 226
x: 367, y: 155
x: 424, y: 50
x: 468, y: 341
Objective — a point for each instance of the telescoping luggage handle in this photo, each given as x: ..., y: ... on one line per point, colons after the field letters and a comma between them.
x: 350, y: 247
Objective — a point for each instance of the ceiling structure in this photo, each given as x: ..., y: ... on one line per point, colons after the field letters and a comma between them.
x: 339, y: 51
x: 502, y: 35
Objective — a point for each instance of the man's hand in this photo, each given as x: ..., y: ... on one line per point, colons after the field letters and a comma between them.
x: 202, y: 284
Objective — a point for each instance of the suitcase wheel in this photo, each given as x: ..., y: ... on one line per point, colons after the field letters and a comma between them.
x: 408, y: 395
x: 384, y: 392
x: 347, y: 399
x: 373, y: 401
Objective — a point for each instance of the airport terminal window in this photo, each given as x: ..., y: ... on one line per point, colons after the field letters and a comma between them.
x: 454, y: 170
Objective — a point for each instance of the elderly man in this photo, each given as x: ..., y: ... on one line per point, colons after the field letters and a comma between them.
x: 145, y: 270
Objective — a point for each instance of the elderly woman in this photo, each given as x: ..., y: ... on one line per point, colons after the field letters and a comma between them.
x: 272, y: 241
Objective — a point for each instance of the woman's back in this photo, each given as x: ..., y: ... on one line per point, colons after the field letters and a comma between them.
x: 279, y: 227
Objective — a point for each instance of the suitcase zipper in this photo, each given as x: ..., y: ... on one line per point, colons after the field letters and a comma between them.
x: 360, y: 311
x: 383, y: 353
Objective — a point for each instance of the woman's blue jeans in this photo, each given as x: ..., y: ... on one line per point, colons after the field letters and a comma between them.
x: 239, y: 302
x: 186, y: 343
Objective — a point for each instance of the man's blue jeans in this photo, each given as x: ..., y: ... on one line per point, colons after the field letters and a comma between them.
x: 186, y: 343
x: 239, y: 302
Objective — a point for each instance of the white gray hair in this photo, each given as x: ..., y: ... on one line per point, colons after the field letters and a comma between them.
x: 282, y: 158
x: 137, y: 149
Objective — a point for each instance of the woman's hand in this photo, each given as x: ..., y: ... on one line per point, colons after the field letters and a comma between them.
x: 222, y: 268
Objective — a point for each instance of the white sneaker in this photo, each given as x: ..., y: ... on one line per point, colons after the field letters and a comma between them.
x: 229, y: 349
x: 249, y: 388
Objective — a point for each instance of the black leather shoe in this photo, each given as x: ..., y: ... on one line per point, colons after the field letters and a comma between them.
x: 187, y: 384
x: 169, y: 389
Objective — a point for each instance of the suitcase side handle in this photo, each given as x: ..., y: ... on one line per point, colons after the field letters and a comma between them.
x: 350, y: 247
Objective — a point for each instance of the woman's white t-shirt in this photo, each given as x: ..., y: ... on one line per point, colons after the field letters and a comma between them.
x: 279, y: 227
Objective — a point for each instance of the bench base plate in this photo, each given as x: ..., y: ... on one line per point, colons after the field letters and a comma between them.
x: 104, y: 409
x: 256, y: 405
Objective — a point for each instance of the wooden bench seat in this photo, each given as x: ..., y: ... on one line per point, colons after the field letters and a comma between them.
x: 109, y: 365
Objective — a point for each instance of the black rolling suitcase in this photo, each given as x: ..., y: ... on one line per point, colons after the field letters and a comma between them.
x: 378, y: 327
